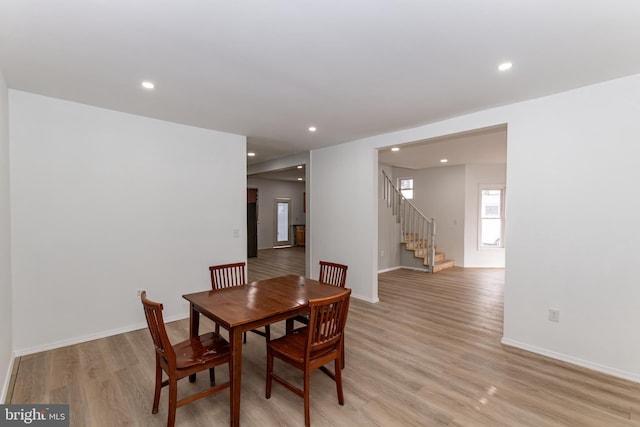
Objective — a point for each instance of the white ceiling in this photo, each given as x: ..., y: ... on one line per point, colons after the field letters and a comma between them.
x: 483, y: 146
x: 292, y: 174
x: 353, y: 68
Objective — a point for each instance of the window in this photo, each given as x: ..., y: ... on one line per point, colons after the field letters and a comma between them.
x: 491, y: 228
x: 282, y: 222
x: 406, y: 187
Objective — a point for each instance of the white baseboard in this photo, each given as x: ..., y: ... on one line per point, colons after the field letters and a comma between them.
x: 574, y: 360
x: 7, y: 379
x: 415, y: 269
x: 386, y: 270
x: 91, y: 337
x: 360, y: 297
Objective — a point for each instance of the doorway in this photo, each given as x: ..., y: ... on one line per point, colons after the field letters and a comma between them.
x: 252, y: 222
x: 282, y: 222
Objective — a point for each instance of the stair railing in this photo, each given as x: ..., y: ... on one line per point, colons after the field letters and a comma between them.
x: 417, y: 231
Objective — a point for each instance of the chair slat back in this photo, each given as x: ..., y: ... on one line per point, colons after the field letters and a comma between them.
x: 155, y: 322
x: 227, y: 275
x: 333, y: 273
x: 327, y: 319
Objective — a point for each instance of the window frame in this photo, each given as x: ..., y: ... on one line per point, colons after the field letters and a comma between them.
x: 412, y: 189
x: 501, y: 216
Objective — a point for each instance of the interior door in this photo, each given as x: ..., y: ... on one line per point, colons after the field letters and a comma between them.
x: 282, y: 224
x: 252, y: 222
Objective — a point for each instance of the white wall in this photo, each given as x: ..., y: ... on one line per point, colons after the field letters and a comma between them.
x: 389, y: 249
x: 6, y: 340
x: 268, y: 191
x: 439, y: 193
x: 572, y: 226
x: 343, y: 219
x: 475, y: 176
x: 572, y: 219
x: 104, y: 203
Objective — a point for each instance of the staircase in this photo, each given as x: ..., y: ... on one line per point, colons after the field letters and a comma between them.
x: 418, y: 232
x: 421, y: 249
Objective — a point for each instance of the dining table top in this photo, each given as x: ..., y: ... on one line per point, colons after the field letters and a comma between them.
x: 239, y: 305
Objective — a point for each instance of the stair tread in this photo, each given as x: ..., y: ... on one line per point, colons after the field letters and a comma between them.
x: 442, y: 262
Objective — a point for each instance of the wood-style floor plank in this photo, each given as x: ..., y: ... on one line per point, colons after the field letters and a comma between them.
x: 428, y: 354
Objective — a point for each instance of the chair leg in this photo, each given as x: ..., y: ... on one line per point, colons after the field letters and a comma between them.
x: 342, y: 352
x: 289, y: 326
x: 338, y: 371
x: 156, y: 393
x: 267, y: 332
x: 307, y: 417
x: 244, y: 338
x: 267, y: 393
x: 212, y: 376
x: 173, y: 399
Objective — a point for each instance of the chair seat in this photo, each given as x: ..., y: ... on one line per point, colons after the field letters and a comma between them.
x: 200, y: 350
x: 292, y: 346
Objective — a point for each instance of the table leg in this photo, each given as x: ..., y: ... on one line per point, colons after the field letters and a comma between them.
x: 235, y: 342
x: 194, y: 322
x: 194, y: 330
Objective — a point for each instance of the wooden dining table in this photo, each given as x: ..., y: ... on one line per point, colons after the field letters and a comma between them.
x: 243, y: 308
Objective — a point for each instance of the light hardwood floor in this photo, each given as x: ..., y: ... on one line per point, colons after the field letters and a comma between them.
x: 428, y: 354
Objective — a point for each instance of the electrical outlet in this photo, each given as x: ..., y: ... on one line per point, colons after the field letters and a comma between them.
x: 554, y: 315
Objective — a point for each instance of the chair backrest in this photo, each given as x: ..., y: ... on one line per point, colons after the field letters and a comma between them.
x: 227, y: 275
x: 327, y: 319
x: 155, y: 322
x: 333, y: 274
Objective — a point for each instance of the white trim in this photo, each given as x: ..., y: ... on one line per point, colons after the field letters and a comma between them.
x: 400, y: 267
x: 574, y: 360
x: 7, y: 379
x: 360, y: 297
x: 386, y: 270
x: 91, y: 337
x: 415, y: 269
x: 105, y: 334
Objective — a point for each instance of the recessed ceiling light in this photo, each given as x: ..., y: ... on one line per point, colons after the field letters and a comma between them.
x: 444, y: 160
x: 251, y: 154
x: 300, y: 166
x: 148, y: 85
x: 395, y: 149
x: 299, y: 179
x: 312, y: 129
x: 505, y: 66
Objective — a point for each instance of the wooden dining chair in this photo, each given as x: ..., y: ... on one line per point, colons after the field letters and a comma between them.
x: 182, y: 359
x: 229, y: 275
x: 331, y: 273
x: 312, y: 347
